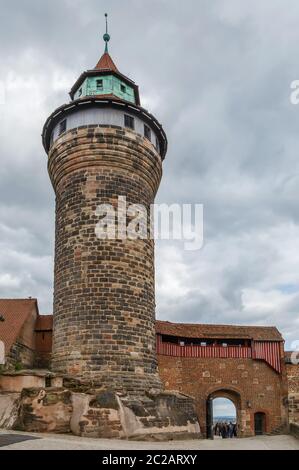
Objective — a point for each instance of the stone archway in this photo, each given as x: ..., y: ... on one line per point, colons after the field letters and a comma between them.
x: 232, y: 395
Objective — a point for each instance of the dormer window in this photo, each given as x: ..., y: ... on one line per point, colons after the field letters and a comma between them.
x: 147, y: 132
x: 123, y: 88
x: 100, y: 85
x: 62, y: 127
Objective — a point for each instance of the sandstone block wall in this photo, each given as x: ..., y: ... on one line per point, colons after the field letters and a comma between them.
x: 100, y: 414
x: 104, y: 291
x: 20, y: 354
x: 293, y: 390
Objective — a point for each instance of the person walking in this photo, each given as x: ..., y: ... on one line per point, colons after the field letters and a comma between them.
x: 223, y: 430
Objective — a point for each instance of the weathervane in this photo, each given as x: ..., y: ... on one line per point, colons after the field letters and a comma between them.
x: 106, y: 36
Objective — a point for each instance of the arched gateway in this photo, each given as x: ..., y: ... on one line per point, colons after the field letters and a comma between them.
x: 231, y: 395
x: 242, y: 363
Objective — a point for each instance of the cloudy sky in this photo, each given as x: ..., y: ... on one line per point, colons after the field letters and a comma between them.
x: 217, y: 75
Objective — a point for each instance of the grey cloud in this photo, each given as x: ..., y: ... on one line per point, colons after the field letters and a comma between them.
x: 217, y: 75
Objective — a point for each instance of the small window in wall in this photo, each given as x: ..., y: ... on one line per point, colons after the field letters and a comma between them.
x: 52, y: 139
x: 48, y: 382
x: 62, y: 127
x: 129, y: 122
x: 157, y: 145
x: 99, y: 84
x: 80, y: 92
x: 147, y: 132
x: 123, y: 88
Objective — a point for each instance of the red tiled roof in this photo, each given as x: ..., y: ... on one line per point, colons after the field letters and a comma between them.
x: 15, y: 313
x: 106, y: 63
x: 189, y: 330
x: 44, y: 323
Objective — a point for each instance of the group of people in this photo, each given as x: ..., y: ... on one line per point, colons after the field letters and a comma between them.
x: 225, y: 430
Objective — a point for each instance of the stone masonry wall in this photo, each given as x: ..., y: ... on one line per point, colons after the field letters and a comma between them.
x: 100, y: 414
x: 20, y: 354
x: 293, y: 398
x: 252, y: 385
x: 104, y: 297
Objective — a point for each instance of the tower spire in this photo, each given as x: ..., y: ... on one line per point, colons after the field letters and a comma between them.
x: 106, y: 36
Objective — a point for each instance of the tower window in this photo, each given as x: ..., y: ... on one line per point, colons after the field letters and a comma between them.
x: 123, y: 88
x: 62, y: 127
x: 157, y: 145
x: 147, y: 132
x: 52, y: 139
x: 99, y: 84
x: 129, y: 122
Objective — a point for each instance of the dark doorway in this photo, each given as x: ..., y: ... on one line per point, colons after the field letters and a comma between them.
x: 259, y: 423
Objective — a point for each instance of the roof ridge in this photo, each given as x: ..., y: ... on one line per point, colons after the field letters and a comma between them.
x: 14, y: 299
x: 217, y: 324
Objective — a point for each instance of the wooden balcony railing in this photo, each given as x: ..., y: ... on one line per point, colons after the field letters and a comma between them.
x: 268, y: 351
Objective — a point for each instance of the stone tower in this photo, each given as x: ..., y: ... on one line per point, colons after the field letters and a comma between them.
x: 100, y: 146
x: 103, y: 145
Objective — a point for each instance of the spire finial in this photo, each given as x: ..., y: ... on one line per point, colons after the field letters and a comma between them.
x: 106, y: 36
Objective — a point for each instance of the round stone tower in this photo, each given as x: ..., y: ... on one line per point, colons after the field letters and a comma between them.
x: 103, y: 145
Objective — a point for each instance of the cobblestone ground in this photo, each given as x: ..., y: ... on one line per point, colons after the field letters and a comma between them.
x: 10, y: 440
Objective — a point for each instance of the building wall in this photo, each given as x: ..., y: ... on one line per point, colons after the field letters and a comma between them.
x: 111, y: 84
x: 103, y: 116
x: 43, y: 349
x: 252, y: 385
x: 293, y: 391
x: 44, y: 341
x: 22, y: 351
x: 2, y: 353
x: 21, y: 355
